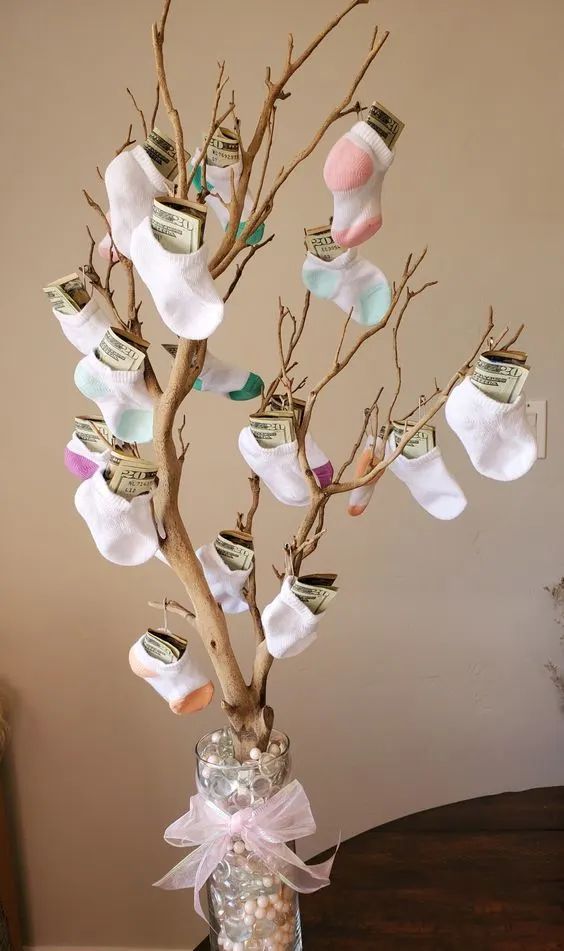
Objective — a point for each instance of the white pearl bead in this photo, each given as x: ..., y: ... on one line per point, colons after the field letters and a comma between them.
x: 206, y: 772
x: 260, y: 912
x: 262, y: 901
x: 274, y: 749
x: 271, y: 914
x: 216, y: 737
x: 279, y: 905
x: 214, y: 760
x: 249, y: 920
x: 255, y: 753
x: 287, y: 906
x: 267, y: 881
x: 250, y: 906
x: 239, y: 847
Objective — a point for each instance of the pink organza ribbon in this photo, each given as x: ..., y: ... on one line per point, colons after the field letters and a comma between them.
x: 264, y: 829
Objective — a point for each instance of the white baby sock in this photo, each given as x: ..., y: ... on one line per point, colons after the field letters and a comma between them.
x: 121, y: 395
x: 123, y: 530
x: 352, y: 283
x: 289, y: 625
x: 218, y: 182
x: 280, y: 469
x: 86, y: 328
x: 354, y: 172
x: 226, y: 584
x: 182, y: 683
x: 220, y: 377
x: 181, y: 285
x: 429, y: 482
x: 132, y: 181
x: 359, y: 498
x: 496, y: 436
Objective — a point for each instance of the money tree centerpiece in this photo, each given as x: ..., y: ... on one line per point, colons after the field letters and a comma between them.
x: 159, y: 198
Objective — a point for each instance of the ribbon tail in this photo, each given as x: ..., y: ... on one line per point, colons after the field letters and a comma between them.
x: 183, y: 875
x: 294, y: 872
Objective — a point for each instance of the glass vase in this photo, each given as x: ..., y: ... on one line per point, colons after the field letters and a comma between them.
x: 250, y: 907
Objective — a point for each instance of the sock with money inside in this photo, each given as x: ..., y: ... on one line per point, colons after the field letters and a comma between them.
x: 354, y: 172
x: 181, y: 285
x: 370, y: 455
x: 178, y: 680
x: 429, y: 482
x: 121, y: 395
x: 220, y: 377
x: 123, y: 529
x: 86, y: 328
x: 218, y: 183
x: 280, y: 469
x: 497, y: 436
x: 289, y: 625
x: 352, y: 283
x: 132, y: 181
x: 226, y: 584
x: 81, y: 461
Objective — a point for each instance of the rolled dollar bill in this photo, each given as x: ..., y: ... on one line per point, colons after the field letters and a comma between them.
x: 235, y: 549
x: 385, y: 123
x: 178, y: 224
x: 270, y: 431
x: 121, y: 350
x: 223, y: 149
x: 501, y: 381
x: 93, y: 432
x: 67, y: 295
x: 316, y: 591
x: 163, y: 645
x: 161, y: 149
x: 319, y: 242
x: 129, y: 476
x: 420, y: 443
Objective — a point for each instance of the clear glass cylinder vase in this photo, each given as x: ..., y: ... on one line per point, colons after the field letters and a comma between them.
x: 251, y: 908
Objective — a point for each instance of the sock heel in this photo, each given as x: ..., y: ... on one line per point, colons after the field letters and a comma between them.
x: 347, y: 166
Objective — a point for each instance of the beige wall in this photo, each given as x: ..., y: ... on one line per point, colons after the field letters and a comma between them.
x: 427, y: 683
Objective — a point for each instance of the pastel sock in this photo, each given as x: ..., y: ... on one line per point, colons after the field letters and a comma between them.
x: 132, y: 181
x: 123, y: 529
x: 354, y: 171
x: 220, y: 377
x: 181, y: 285
x: 121, y: 395
x: 359, y: 498
x: 289, y: 625
x: 280, y: 470
x: 81, y: 461
x: 86, y: 328
x: 225, y: 584
x: 352, y: 283
x: 218, y: 180
x: 429, y: 482
x: 182, y: 683
x: 496, y: 436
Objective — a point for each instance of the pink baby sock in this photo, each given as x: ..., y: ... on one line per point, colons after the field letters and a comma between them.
x: 354, y: 172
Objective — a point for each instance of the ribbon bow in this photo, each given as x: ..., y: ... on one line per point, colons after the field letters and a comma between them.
x: 264, y: 829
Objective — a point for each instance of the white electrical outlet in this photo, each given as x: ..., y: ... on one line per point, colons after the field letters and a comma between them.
x: 536, y: 414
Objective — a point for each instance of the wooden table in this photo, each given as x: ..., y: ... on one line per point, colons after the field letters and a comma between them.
x: 481, y: 875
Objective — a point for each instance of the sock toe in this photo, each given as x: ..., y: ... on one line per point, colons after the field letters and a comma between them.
x: 195, y: 701
x: 252, y: 388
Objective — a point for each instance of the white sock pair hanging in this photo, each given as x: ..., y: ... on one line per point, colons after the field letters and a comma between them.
x: 429, y: 482
x: 358, y: 287
x: 221, y: 183
x: 280, y: 469
x: 229, y: 381
x: 180, y: 284
x: 182, y: 684
x: 289, y: 625
x: 225, y: 584
x: 86, y: 328
x: 354, y: 172
x: 121, y: 395
x: 123, y: 530
x: 497, y: 436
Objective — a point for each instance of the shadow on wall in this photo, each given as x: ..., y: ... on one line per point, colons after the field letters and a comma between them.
x: 556, y: 675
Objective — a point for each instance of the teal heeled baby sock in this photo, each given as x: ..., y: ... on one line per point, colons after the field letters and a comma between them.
x: 121, y: 395
x: 352, y: 283
x: 218, y: 180
x: 220, y: 377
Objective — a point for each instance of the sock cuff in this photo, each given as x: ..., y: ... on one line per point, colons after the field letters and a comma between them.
x: 168, y: 671
x: 194, y: 264
x: 208, y: 555
x: 151, y: 171
x: 111, y: 376
x: 337, y: 264
x: 402, y: 466
x: 220, y: 176
x: 486, y: 405
x: 249, y: 445
x: 293, y: 602
x: 90, y: 310
x: 80, y: 449
x: 370, y: 137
